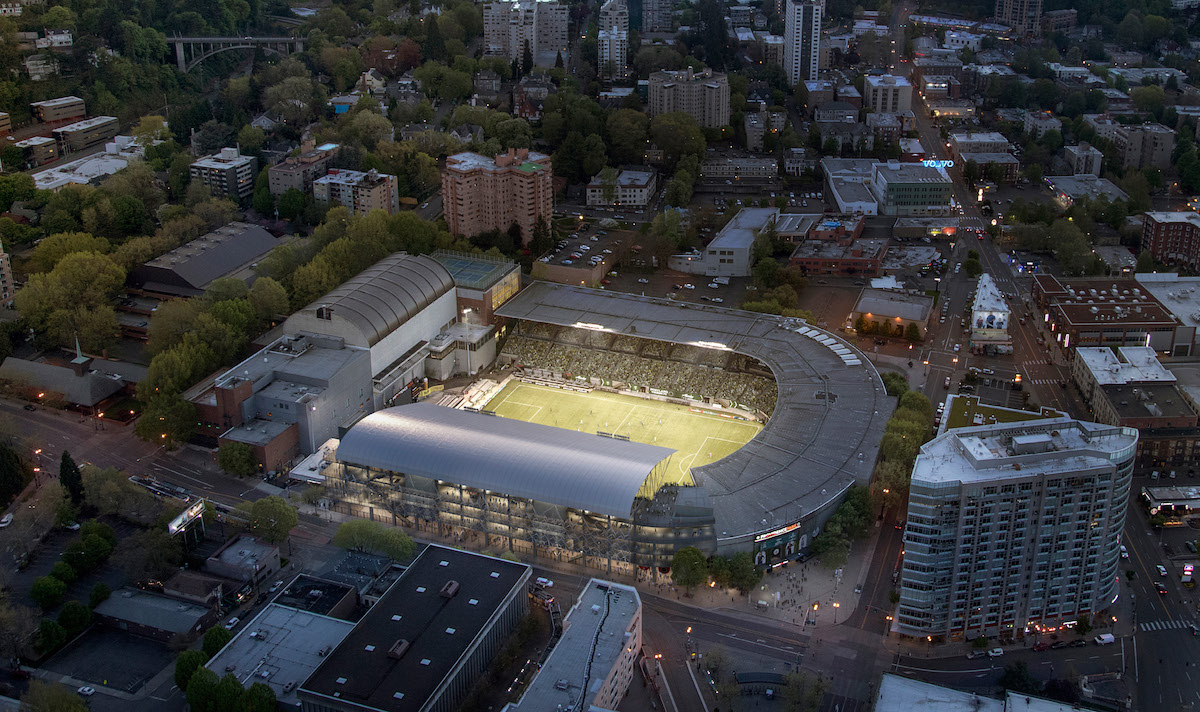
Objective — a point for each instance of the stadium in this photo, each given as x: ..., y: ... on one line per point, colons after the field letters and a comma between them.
x: 623, y: 428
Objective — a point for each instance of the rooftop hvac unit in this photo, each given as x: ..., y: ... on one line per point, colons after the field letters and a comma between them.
x: 449, y: 590
x: 398, y: 649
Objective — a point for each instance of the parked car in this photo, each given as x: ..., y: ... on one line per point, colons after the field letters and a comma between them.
x: 1081, y: 643
x: 1040, y: 647
x: 1124, y: 552
x: 1059, y: 645
x: 543, y: 582
x: 995, y: 652
x: 1162, y: 570
x: 86, y: 691
x: 974, y: 654
x: 229, y: 625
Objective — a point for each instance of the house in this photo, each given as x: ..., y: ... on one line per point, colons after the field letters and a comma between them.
x: 372, y: 81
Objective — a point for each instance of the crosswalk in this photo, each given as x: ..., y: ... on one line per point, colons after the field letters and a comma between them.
x: 1163, y: 625
x: 1046, y: 381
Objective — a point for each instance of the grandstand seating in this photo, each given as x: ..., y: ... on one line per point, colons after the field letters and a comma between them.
x: 677, y: 369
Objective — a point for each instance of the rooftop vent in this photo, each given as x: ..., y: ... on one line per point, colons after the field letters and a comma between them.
x: 449, y: 590
x: 398, y: 649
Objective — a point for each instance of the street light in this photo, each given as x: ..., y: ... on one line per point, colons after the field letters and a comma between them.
x: 836, y: 606
x: 467, y: 320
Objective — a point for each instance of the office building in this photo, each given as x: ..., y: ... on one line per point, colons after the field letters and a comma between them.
x: 1145, y: 145
x: 911, y: 189
x: 658, y: 15
x: 600, y: 646
x: 360, y: 192
x: 977, y: 142
x: 802, y: 39
x: 613, y: 39
x: 1023, y: 16
x: 86, y: 134
x: 228, y: 174
x: 427, y: 641
x: 38, y: 150
x: 887, y: 94
x: 509, y: 28
x: 703, y: 95
x: 1172, y: 237
x: 481, y: 193
x: 1107, y: 312
x: 739, y: 169
x: 245, y: 558
x: 299, y: 172
x: 1014, y: 527
x: 989, y: 319
x: 56, y: 112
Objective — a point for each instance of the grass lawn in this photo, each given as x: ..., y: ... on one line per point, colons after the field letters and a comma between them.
x: 697, y: 438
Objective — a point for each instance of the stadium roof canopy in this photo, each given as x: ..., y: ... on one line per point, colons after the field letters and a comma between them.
x: 379, y: 299
x: 554, y: 465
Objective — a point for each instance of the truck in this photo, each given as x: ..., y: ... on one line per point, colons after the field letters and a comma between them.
x: 1105, y: 639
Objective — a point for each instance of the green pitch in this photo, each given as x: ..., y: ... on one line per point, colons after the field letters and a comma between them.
x: 697, y: 438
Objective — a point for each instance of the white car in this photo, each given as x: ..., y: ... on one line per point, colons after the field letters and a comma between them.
x: 643, y: 280
x: 714, y: 285
x: 231, y: 623
x: 6, y: 520
x: 995, y: 652
x: 1162, y: 570
x: 1124, y: 552
x: 718, y: 300
x: 86, y: 691
x: 689, y: 286
x: 957, y: 347
x: 544, y: 582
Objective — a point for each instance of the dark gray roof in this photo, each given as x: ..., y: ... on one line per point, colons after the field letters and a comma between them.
x: 209, y: 257
x: 88, y: 389
x: 151, y: 610
x: 553, y: 465
x: 385, y: 295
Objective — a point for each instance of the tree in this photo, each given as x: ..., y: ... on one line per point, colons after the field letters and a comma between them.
x: 150, y: 130
x: 70, y: 478
x: 367, y: 535
x: 202, y: 690
x: 743, y: 574
x: 74, y: 617
x: 237, y: 458
x: 215, y: 638
x: 149, y: 555
x: 51, y: 696
x: 1018, y: 678
x: 689, y: 568
x: 912, y: 332
x: 50, y: 635
x: 891, y: 483
x: 49, y: 251
x: 259, y: 698
x: 802, y: 693
x: 64, y: 572
x: 186, y: 665
x: 1062, y: 690
x: 100, y: 593
x: 973, y: 268
x: 47, y: 592
x: 272, y: 518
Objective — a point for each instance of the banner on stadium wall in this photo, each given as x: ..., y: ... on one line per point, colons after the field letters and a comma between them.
x: 425, y: 393
x: 659, y: 392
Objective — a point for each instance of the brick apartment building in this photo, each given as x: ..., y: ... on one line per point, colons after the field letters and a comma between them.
x: 481, y: 194
x: 361, y: 192
x: 1173, y: 237
x: 299, y: 172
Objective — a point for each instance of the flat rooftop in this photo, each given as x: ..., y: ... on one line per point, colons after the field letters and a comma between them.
x: 1021, y: 450
x: 1126, y: 364
x: 312, y: 594
x: 60, y: 101
x: 1085, y: 186
x: 152, y: 610
x: 86, y: 124
x: 977, y: 137
x: 965, y: 411
x: 910, y: 173
x: 914, y: 307
x: 901, y: 694
x: 810, y: 449
x: 739, y: 232
x: 1179, y: 295
x: 474, y: 271
x: 797, y: 224
x: 280, y: 647
x: 363, y: 670
x: 1148, y: 400
x: 864, y: 248
x: 593, y: 637
x: 257, y: 432
x: 1176, y: 216
x: 244, y: 552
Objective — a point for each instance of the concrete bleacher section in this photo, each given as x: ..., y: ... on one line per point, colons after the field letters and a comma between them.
x: 847, y: 356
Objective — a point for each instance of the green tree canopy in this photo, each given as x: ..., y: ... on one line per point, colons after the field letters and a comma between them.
x: 367, y: 535
x: 237, y: 458
x: 689, y: 567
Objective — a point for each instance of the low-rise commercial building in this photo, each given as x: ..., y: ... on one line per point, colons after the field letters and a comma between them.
x: 729, y: 253
x: 848, y: 184
x: 358, y: 191
x: 601, y: 642
x: 740, y: 169
x: 989, y: 319
x: 86, y: 134
x: 1109, y: 313
x: 60, y: 111
x: 245, y: 558
x: 1006, y: 170
x: 153, y: 616
x: 186, y: 271
x: 911, y: 189
x: 1068, y: 189
x: 423, y: 646
x: 887, y: 312
x: 977, y: 142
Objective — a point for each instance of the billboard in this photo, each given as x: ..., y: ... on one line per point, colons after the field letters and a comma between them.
x: 193, y: 512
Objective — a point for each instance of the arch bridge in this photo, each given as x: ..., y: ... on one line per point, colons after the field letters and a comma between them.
x: 191, y: 51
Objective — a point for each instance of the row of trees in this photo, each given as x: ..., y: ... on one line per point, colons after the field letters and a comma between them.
x: 691, y: 568
x: 207, y: 692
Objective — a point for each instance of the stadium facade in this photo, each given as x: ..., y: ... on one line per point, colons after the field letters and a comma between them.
x: 608, y: 503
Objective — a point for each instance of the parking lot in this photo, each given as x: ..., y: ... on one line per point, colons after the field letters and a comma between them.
x: 111, y: 658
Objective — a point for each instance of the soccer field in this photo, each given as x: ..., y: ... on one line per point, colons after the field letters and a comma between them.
x: 697, y: 438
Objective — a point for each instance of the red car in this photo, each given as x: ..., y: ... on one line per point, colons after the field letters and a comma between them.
x: 1041, y: 646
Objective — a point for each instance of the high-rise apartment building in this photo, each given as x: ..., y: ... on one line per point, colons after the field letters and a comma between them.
x: 1145, y: 145
x: 481, y: 193
x: 887, y: 94
x: 7, y: 288
x: 510, y: 27
x: 227, y: 174
x: 703, y: 95
x: 1014, y: 526
x: 298, y: 172
x: 658, y: 15
x: 802, y: 39
x: 361, y: 192
x: 613, y: 39
x: 1023, y: 16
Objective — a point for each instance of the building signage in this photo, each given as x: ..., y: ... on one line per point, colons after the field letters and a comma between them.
x: 931, y: 163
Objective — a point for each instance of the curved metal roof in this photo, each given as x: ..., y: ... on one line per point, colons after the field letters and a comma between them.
x: 562, y: 467
x: 385, y: 295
